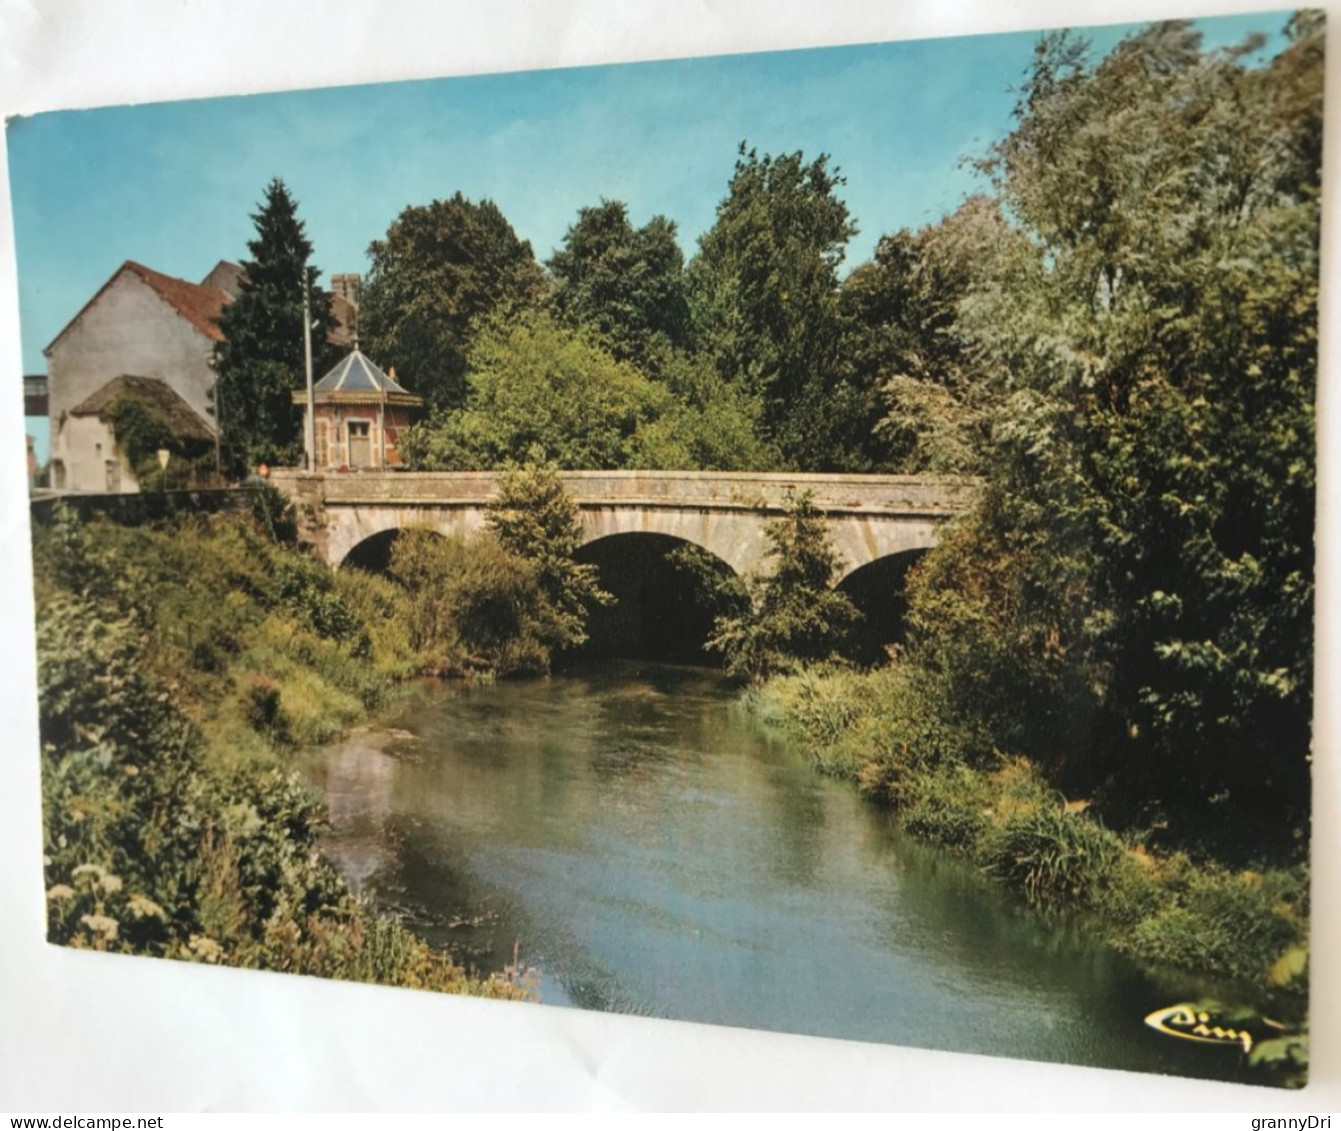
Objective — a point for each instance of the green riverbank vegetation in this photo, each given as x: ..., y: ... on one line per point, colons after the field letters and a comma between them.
x: 1168, y: 877
x: 949, y: 785
x: 1103, y: 694
x: 1175, y: 885
x: 180, y: 665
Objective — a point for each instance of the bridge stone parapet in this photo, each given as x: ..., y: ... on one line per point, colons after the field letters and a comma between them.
x: 869, y: 516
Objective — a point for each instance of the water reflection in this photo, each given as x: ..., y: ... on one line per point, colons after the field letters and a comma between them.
x: 358, y: 777
x: 652, y: 851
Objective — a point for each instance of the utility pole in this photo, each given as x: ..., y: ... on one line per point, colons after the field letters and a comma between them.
x: 310, y: 424
x: 218, y: 430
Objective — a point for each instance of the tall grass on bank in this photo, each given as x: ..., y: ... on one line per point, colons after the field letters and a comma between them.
x: 176, y: 666
x: 885, y: 731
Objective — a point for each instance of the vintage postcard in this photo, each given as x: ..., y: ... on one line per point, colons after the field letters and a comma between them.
x: 817, y: 541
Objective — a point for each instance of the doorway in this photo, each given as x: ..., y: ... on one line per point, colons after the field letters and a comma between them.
x: 360, y: 444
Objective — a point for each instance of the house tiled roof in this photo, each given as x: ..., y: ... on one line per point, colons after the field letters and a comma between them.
x: 158, y: 396
x: 199, y: 305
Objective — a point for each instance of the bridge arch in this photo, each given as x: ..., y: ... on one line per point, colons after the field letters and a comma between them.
x: 357, y: 526
x: 665, y: 601
x: 737, y: 538
x: 374, y: 552
x: 726, y: 513
x: 879, y: 590
x: 862, y: 543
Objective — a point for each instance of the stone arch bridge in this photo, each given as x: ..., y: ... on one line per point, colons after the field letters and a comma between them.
x: 869, y: 516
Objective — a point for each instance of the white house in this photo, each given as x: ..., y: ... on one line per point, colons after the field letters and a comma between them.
x: 141, y: 324
x: 89, y: 428
x: 150, y: 336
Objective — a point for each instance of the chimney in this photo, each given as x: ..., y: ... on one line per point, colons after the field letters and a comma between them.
x: 347, y: 287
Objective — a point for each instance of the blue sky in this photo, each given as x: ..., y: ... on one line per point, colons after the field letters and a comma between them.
x: 173, y: 185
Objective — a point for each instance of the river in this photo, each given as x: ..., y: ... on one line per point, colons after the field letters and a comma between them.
x: 647, y: 847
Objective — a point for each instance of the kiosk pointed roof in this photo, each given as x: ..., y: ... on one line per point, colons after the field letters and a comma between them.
x: 358, y: 378
x: 357, y: 373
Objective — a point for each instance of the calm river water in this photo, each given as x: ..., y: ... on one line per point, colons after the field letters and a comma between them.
x: 651, y: 849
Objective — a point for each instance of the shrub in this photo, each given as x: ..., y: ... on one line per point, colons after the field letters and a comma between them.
x: 536, y: 520
x: 305, y: 588
x: 794, y: 614
x: 1058, y: 858
x: 949, y: 806
x: 1234, y: 924
x: 376, y: 602
x: 262, y: 709
x: 470, y: 604
x: 273, y: 513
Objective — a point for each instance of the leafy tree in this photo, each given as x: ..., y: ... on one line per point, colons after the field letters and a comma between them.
x: 764, y: 291
x: 909, y: 347
x: 1141, y: 569
x: 708, y: 424
x: 260, y: 362
x: 794, y: 614
x: 623, y: 284
x: 536, y: 519
x: 442, y: 269
x: 539, y: 389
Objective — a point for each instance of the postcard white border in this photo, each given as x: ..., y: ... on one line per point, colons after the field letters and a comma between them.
x: 85, y: 1032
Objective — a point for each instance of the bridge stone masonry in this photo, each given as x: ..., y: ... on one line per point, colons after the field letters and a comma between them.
x: 869, y: 516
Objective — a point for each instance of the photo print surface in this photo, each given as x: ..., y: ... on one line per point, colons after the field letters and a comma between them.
x: 818, y: 541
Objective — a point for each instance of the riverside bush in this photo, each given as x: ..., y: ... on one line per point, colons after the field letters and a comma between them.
x: 949, y: 806
x: 1058, y: 858
x: 823, y: 706
x: 1240, y: 924
x: 794, y: 615
x: 307, y: 591
x: 174, y: 666
x: 880, y: 728
x: 886, y: 731
x: 471, y: 604
x: 535, y: 519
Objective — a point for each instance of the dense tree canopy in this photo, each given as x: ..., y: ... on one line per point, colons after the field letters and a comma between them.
x: 624, y: 284
x: 260, y: 362
x: 909, y: 346
x: 442, y: 270
x: 537, y: 390
x: 1137, y: 587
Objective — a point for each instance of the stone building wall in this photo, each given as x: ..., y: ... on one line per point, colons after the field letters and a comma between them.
x: 85, y: 457
x: 129, y: 329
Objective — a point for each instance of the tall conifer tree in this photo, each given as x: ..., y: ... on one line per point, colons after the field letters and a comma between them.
x: 260, y: 361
